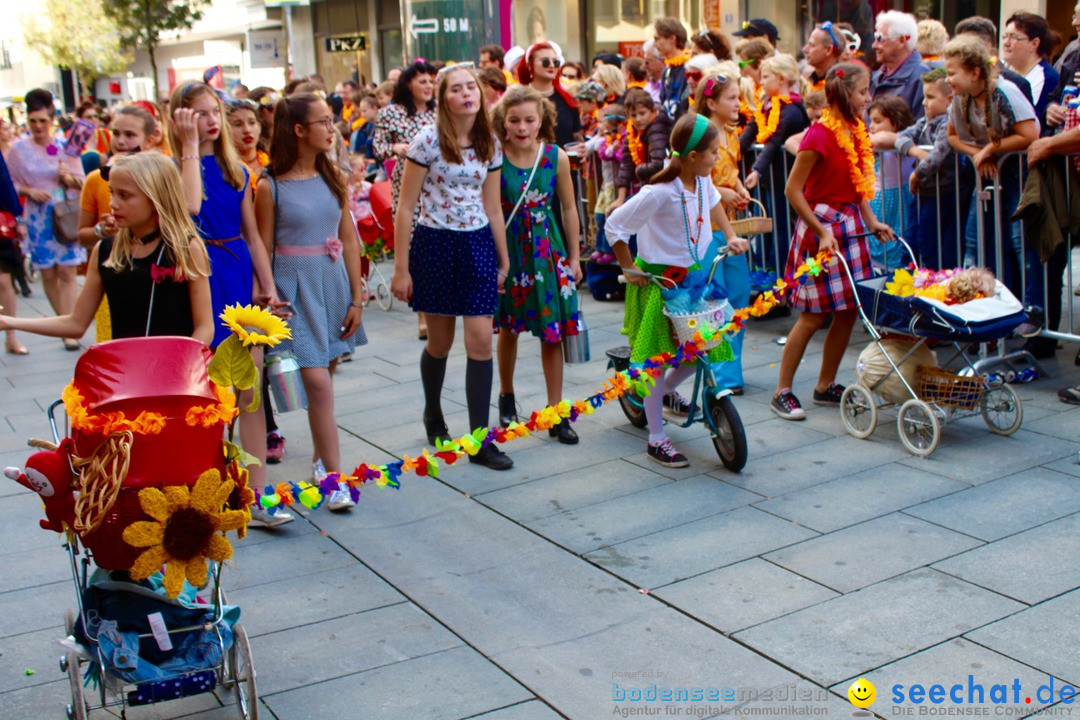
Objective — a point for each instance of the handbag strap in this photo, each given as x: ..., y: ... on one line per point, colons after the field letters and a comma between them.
x: 524, y: 189
x: 153, y: 287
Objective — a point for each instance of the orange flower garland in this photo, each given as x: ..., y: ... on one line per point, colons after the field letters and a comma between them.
x: 678, y: 60
x: 767, y: 128
x: 860, y: 154
x: 145, y: 423
x: 633, y: 141
x: 636, y: 84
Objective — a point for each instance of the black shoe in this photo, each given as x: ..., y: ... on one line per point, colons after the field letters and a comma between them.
x: 831, y: 395
x: 1033, y: 325
x: 1041, y: 348
x: 435, y: 427
x: 24, y: 288
x: 665, y: 454
x: 1069, y: 395
x: 492, y: 457
x: 507, y: 410
x: 564, y: 432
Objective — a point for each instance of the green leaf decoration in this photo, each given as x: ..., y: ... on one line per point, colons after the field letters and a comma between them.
x: 232, y: 365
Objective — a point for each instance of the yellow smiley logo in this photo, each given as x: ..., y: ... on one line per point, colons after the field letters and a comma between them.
x: 862, y: 693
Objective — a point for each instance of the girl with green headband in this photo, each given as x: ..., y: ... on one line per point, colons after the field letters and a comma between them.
x: 671, y: 217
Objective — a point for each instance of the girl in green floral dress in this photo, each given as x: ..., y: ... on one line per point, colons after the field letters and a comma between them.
x: 541, y: 287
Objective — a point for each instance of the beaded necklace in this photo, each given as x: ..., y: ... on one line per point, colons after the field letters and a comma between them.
x: 691, y: 241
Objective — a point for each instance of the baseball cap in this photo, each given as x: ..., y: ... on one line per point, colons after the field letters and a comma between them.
x: 759, y: 27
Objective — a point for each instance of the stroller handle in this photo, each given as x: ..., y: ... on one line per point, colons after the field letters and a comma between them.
x: 659, y: 280
x: 847, y: 268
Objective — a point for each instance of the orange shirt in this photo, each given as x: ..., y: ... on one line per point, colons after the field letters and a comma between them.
x: 726, y: 172
x: 95, y: 197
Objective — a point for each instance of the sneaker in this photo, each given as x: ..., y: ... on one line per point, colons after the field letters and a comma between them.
x: 318, y: 471
x: 275, y: 448
x: 1033, y: 325
x: 492, y: 457
x: 262, y: 519
x: 676, y: 405
x: 787, y: 406
x: 1070, y: 395
x: 665, y: 454
x: 831, y: 396
x: 340, y: 499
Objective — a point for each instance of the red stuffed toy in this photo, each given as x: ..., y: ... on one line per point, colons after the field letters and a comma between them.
x: 48, y: 473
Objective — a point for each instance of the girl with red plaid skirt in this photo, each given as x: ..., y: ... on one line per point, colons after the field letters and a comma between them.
x: 829, y: 187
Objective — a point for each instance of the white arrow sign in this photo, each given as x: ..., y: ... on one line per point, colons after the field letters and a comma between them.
x: 423, y: 27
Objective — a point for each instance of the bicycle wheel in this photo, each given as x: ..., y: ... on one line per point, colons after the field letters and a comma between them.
x: 729, y: 435
x: 858, y: 411
x: 1001, y: 409
x: 918, y: 427
x: 633, y: 408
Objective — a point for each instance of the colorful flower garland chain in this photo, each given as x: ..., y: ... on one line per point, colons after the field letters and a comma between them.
x: 638, y: 381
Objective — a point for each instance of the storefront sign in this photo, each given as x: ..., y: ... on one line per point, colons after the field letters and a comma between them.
x: 632, y: 49
x: 346, y: 43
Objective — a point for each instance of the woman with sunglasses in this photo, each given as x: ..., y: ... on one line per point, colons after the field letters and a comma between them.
x: 540, y: 71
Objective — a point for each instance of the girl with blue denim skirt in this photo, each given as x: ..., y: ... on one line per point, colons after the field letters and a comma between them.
x: 671, y: 217
x: 718, y: 99
x: 453, y: 261
x: 989, y: 117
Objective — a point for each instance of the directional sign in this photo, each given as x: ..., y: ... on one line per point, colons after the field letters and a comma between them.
x: 446, y: 29
x: 429, y: 26
x: 346, y: 43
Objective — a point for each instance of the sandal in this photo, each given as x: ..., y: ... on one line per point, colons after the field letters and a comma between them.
x: 16, y: 350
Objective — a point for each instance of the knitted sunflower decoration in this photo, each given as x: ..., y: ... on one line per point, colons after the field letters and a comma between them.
x: 187, y: 529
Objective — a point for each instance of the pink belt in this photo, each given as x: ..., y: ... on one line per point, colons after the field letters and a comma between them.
x: 332, y: 248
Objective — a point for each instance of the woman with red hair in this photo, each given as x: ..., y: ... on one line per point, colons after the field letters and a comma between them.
x: 540, y: 70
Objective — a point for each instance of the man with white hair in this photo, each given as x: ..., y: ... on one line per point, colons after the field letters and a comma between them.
x: 900, y: 67
x: 654, y: 67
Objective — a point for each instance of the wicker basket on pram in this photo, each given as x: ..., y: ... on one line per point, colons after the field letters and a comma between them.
x: 947, y: 389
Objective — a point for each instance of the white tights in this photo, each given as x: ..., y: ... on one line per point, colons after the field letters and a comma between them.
x: 654, y: 403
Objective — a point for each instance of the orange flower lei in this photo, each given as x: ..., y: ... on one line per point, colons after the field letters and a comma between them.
x: 145, y: 423
x: 640, y: 84
x: 633, y: 141
x: 218, y: 414
x: 767, y: 128
x: 820, y: 85
x: 678, y: 60
x: 859, y: 154
x: 745, y: 110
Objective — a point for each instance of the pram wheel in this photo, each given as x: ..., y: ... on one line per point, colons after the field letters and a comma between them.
x: 858, y: 411
x: 729, y: 437
x: 240, y: 675
x: 919, y: 428
x: 1001, y: 409
x: 69, y: 621
x: 77, y: 709
x: 383, y: 296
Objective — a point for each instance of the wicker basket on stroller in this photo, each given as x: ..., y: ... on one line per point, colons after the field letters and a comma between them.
x: 947, y: 389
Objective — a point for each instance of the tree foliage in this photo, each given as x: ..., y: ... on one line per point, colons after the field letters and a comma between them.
x: 79, y: 36
x: 141, y: 23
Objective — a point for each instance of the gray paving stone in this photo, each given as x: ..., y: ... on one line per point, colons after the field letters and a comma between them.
x: 1031, y: 566
x: 858, y: 497
x: 578, y: 676
x: 35, y: 651
x: 1044, y: 637
x: 452, y: 684
x: 310, y: 598
x: 31, y: 568
x: 744, y: 594
x: 872, y: 551
x: 642, y: 513
x: 531, y: 710
x: 694, y: 548
x: 849, y: 635
x: 292, y: 556
x: 298, y: 657
x: 1006, y: 506
x: 51, y: 600
x: 548, y: 496
x: 949, y: 664
x: 966, y: 461
x: 1059, y: 425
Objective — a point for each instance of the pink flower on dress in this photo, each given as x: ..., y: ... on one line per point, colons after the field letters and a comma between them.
x: 334, y: 248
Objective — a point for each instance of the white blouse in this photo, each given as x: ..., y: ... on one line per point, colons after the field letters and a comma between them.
x: 656, y: 214
x: 452, y: 197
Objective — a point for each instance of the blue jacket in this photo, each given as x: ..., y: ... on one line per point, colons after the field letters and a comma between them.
x: 905, y: 82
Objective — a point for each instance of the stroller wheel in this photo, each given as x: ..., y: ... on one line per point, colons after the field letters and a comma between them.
x: 919, y: 428
x: 1001, y: 409
x: 858, y: 411
x: 77, y: 710
x: 242, y: 675
x: 383, y: 296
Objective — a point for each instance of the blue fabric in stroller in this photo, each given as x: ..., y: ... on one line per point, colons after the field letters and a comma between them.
x: 919, y: 317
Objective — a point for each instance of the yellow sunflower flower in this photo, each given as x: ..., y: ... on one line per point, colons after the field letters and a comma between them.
x: 188, y: 528
x: 255, y: 325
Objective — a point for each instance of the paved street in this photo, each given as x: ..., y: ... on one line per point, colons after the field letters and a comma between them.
x: 567, y: 585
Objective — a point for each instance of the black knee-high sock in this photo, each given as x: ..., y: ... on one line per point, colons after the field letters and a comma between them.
x: 432, y: 373
x: 478, y: 391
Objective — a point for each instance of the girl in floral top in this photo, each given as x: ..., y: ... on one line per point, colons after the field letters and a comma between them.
x: 452, y: 262
x: 411, y: 110
x: 541, y: 291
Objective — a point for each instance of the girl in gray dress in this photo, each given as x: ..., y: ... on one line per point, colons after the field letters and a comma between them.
x: 305, y: 223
